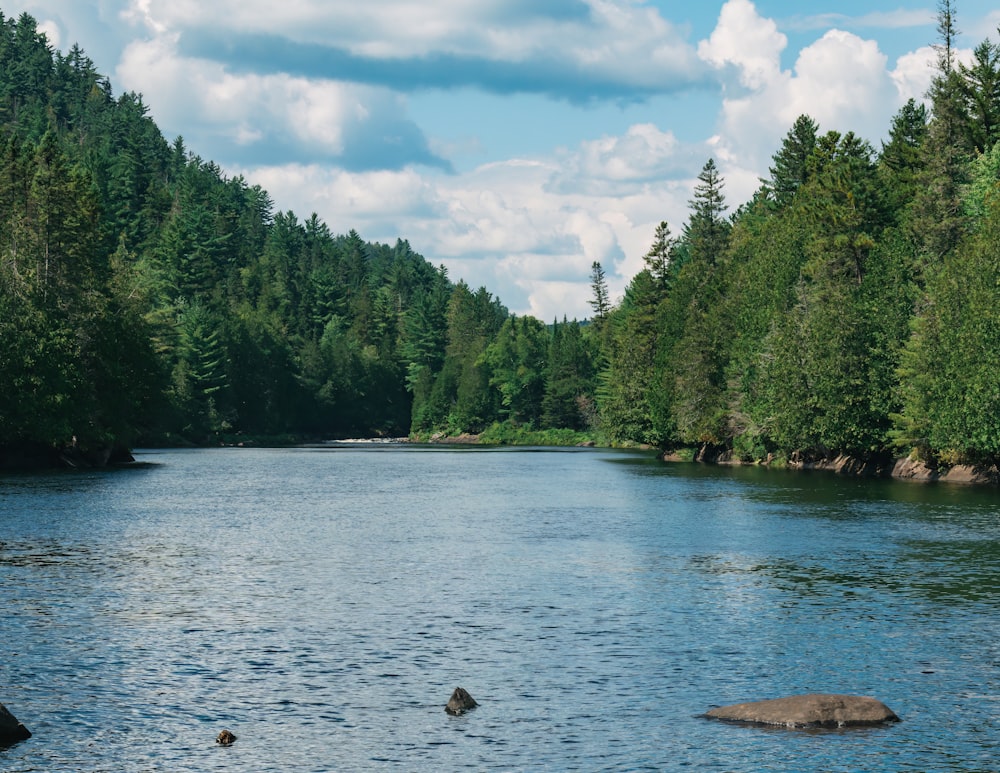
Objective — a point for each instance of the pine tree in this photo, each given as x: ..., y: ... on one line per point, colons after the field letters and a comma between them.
x: 659, y: 259
x: 902, y: 159
x: 789, y: 171
x: 706, y: 232
x: 600, y: 300
x: 979, y: 89
x: 937, y: 222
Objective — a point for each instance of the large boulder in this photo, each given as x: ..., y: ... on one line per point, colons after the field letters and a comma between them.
x: 812, y: 710
x: 11, y: 731
x: 460, y: 702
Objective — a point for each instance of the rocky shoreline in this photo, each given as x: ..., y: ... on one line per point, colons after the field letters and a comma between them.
x: 903, y: 468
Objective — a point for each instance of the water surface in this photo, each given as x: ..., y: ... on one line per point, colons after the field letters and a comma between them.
x: 322, y: 603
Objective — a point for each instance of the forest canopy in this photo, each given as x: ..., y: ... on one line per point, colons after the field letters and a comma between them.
x: 852, y: 306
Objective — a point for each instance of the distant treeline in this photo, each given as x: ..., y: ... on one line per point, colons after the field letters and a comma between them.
x: 852, y: 306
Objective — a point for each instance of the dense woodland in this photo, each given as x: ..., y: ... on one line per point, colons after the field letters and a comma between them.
x: 852, y: 306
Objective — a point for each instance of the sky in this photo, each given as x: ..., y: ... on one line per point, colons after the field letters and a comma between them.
x: 513, y: 141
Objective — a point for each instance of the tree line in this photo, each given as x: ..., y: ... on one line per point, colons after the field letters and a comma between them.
x: 852, y: 306
x: 849, y: 307
x: 146, y: 297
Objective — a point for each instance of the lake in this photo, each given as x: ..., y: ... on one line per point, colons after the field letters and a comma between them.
x: 322, y: 603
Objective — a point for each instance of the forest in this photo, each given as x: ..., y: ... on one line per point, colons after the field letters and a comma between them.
x: 852, y: 306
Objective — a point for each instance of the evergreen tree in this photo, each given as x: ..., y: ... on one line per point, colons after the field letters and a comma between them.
x: 902, y: 158
x: 628, y: 382
x: 516, y: 360
x: 789, y: 171
x: 600, y: 301
x: 936, y: 221
x: 660, y: 259
x: 707, y: 230
x: 569, y: 376
x: 979, y: 90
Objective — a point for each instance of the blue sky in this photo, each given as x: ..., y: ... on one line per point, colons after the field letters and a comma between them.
x: 514, y: 141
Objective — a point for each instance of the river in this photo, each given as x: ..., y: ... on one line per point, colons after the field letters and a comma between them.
x: 322, y: 603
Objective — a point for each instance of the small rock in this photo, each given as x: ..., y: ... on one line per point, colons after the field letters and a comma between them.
x: 11, y: 731
x: 225, y: 738
x: 460, y: 702
x: 812, y: 710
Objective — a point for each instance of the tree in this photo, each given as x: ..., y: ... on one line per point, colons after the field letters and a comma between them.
x: 789, y: 171
x: 628, y: 382
x: 600, y: 300
x: 843, y: 207
x: 947, y: 32
x: 569, y: 379
x: 979, y: 90
x: 659, y: 259
x: 902, y: 159
x: 707, y: 230
x: 516, y: 361
x: 936, y: 220
x: 950, y: 382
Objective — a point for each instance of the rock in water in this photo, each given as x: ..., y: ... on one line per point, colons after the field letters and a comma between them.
x: 460, y: 702
x: 813, y: 710
x: 225, y: 738
x: 11, y: 731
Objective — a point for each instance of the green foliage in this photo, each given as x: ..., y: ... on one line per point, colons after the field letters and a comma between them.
x: 569, y: 380
x: 979, y: 92
x: 627, y: 382
x: 517, y: 360
x: 512, y: 434
x: 600, y: 300
x: 849, y: 307
x: 950, y: 371
x: 790, y: 172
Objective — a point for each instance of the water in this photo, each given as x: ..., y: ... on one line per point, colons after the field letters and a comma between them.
x: 323, y: 603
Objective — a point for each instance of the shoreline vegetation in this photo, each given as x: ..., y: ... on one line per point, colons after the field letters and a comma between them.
x: 898, y: 468
x: 843, y: 318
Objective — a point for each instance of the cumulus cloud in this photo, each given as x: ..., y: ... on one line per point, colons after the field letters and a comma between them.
x: 315, y: 101
x: 518, y: 227
x: 571, y: 49
x: 277, y: 115
x: 914, y: 72
x: 746, y: 41
x: 841, y: 80
x: 617, y: 164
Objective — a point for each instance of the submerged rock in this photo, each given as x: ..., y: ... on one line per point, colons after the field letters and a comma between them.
x: 812, y: 710
x: 460, y: 702
x: 225, y: 738
x: 11, y: 731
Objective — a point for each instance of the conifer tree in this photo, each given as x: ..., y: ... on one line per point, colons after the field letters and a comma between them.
x: 600, y: 300
x: 660, y: 258
x: 706, y: 232
x: 789, y: 171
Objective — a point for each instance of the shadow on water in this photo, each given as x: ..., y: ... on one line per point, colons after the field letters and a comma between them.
x: 828, y: 490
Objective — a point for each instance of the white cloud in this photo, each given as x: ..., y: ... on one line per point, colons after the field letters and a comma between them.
x: 744, y: 39
x: 527, y: 228
x: 840, y: 80
x: 900, y: 18
x: 914, y: 72
x: 620, y: 41
x: 506, y: 225
x: 217, y: 108
x: 620, y: 165
x: 51, y: 31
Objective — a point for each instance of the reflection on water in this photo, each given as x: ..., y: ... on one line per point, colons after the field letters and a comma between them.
x: 323, y: 604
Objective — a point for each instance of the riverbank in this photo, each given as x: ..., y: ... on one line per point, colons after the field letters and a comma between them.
x: 900, y: 468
